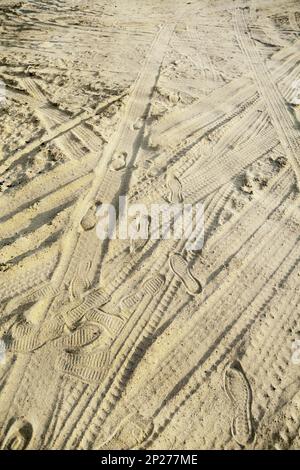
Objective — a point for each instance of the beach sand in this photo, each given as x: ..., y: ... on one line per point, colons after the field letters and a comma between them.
x: 149, y: 344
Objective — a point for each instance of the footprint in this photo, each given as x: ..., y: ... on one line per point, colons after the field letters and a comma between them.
x: 151, y: 287
x: 130, y: 301
x: 80, y: 282
x: 73, y: 312
x: 26, y: 337
x: 85, y: 334
x: 130, y: 433
x: 239, y: 392
x: 175, y: 189
x: 153, y: 284
x: 90, y: 368
x: 89, y: 220
x: 180, y: 268
x: 119, y: 162
x: 19, y: 435
x: 112, y: 323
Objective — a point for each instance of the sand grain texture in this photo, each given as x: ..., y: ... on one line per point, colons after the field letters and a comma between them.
x: 144, y: 344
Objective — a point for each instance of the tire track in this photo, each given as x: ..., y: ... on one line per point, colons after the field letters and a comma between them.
x: 275, y: 103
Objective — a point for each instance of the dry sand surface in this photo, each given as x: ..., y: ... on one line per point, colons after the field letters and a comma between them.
x: 146, y: 344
